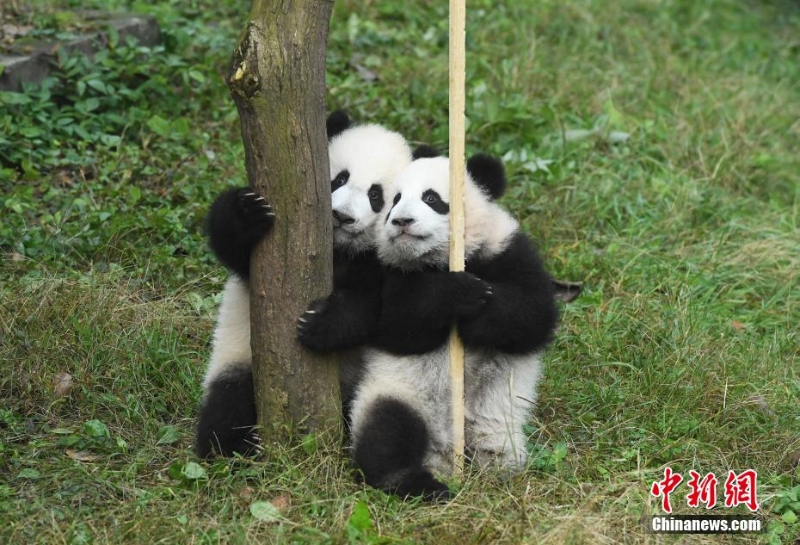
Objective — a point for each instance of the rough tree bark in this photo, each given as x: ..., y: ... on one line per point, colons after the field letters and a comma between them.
x: 277, y: 78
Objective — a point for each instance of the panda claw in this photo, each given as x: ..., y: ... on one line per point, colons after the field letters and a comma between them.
x: 303, y: 320
x: 311, y: 312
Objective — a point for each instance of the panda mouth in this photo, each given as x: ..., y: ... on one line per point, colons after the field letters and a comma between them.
x: 348, y: 232
x: 408, y: 236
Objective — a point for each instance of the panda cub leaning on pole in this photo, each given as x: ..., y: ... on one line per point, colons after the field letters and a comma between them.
x: 363, y: 159
x: 503, y: 307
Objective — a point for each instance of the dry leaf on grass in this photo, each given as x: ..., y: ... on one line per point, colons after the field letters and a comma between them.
x: 81, y: 455
x: 62, y: 384
x: 282, y: 503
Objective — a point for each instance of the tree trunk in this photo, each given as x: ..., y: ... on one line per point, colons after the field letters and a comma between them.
x: 277, y: 77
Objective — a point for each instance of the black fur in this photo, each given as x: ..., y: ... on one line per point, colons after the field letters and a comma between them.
x: 228, y: 416
x: 522, y: 315
x: 488, y: 173
x: 420, y: 307
x: 434, y: 200
x: 505, y: 303
x: 238, y: 219
x: 348, y: 317
x: 337, y: 123
x: 392, y: 458
x: 425, y: 151
x: 375, y: 195
x: 339, y: 180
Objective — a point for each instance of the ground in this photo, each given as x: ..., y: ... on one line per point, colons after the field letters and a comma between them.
x: 652, y: 150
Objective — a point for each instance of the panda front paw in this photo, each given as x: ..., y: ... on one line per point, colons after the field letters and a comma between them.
x: 471, y: 294
x: 313, y: 327
x: 238, y: 220
x: 253, y: 213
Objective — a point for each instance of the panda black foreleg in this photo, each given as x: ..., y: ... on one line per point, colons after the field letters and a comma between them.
x: 522, y: 315
x: 419, y: 308
x: 228, y: 416
x: 515, y: 321
x: 390, y: 449
x: 238, y: 219
x: 343, y: 320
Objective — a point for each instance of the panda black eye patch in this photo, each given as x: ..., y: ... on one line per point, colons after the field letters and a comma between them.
x: 394, y: 203
x: 340, y: 180
x: 375, y: 195
x: 432, y: 199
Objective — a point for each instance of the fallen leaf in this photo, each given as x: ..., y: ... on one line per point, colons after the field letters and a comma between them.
x: 761, y: 403
x: 576, y: 135
x: 365, y: 73
x: 737, y: 325
x: 14, y: 31
x: 246, y: 494
x: 65, y: 178
x: 81, y: 455
x: 62, y: 384
x: 617, y: 137
x: 282, y: 503
x: 567, y: 291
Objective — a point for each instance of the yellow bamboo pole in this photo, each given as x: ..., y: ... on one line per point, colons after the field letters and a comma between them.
x: 457, y: 68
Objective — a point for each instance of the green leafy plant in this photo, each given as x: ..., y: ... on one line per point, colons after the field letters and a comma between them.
x: 785, y: 504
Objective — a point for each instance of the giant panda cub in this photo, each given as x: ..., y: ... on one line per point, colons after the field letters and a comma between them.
x: 362, y: 159
x: 503, y: 307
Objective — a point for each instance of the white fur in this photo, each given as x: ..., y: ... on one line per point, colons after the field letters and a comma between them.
x: 231, y: 345
x: 488, y: 227
x: 500, y: 392
x: 372, y: 155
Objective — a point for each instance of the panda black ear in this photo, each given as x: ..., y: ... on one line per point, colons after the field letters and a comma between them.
x: 337, y: 123
x: 425, y: 151
x: 488, y: 173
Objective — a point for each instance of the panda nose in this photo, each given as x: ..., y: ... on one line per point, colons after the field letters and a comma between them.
x: 402, y: 222
x: 343, y: 218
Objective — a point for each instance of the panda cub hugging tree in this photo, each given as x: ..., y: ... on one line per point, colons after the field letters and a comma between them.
x: 363, y: 158
x: 503, y: 307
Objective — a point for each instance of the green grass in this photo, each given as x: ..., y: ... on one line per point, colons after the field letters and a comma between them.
x: 678, y: 206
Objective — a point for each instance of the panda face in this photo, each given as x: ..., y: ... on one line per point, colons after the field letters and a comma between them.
x: 417, y: 227
x: 416, y: 230
x: 363, y: 161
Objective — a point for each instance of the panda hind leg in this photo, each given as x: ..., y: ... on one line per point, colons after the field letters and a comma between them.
x: 228, y: 416
x: 390, y: 448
